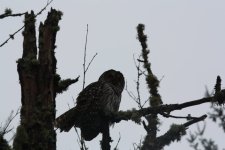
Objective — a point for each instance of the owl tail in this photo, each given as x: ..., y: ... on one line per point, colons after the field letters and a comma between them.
x: 67, y: 120
x: 88, y: 133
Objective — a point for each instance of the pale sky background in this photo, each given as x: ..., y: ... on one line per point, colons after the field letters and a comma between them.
x: 187, y: 42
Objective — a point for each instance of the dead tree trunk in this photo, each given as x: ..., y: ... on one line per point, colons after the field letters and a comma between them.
x: 38, y: 80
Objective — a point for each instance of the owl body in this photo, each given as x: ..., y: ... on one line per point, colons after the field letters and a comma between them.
x: 92, y: 103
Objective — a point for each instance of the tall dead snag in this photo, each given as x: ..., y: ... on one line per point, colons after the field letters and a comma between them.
x: 39, y: 85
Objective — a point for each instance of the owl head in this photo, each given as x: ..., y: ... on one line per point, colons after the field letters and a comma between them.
x: 114, y: 78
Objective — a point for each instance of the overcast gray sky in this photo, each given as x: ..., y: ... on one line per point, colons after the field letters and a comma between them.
x: 186, y: 38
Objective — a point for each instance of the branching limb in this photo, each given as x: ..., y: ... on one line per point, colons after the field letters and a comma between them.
x: 137, y: 99
x: 197, y: 139
x: 85, y: 69
x: 11, y: 36
x: 4, y: 144
x: 153, y: 84
x: 5, y: 129
x: 131, y: 114
x: 85, y: 54
x: 176, y: 132
x: 151, y: 79
x: 138, y: 83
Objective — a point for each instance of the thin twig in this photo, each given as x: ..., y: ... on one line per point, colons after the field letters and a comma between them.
x: 189, y: 117
x: 147, y: 100
x: 175, y: 132
x: 137, y: 98
x: 137, y: 146
x: 138, y: 82
x: 195, y: 120
x: 4, y: 130
x: 80, y: 139
x: 11, y: 36
x: 91, y: 62
x: 117, y: 142
x: 48, y: 3
x: 201, y: 131
x: 74, y: 103
x: 131, y: 94
x: 85, y: 69
x: 85, y: 54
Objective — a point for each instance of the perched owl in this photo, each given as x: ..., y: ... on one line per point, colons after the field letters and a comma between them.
x: 96, y: 99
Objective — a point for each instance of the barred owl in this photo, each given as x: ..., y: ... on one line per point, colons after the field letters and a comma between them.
x: 96, y: 99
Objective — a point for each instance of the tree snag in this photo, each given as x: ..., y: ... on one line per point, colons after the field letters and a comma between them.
x: 39, y: 81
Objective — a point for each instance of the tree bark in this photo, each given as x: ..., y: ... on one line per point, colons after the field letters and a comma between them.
x: 38, y: 80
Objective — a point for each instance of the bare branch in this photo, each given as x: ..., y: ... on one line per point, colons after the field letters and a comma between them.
x: 5, y: 129
x: 85, y: 69
x: 48, y: 3
x: 85, y: 54
x: 138, y: 83
x: 175, y: 132
x: 11, y: 36
x: 11, y: 15
x: 129, y: 115
x: 189, y: 117
x: 137, y: 98
x: 117, y: 142
x: 80, y: 140
x: 91, y: 62
x: 195, y: 120
x: 131, y: 94
x: 137, y: 146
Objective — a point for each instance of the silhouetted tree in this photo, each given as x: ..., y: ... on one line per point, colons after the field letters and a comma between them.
x: 40, y: 84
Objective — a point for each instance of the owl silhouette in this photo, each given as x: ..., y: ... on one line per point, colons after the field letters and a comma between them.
x: 92, y: 103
